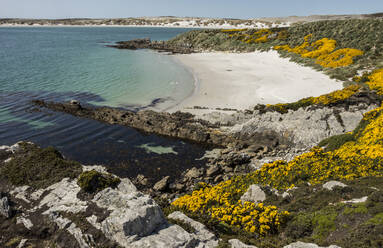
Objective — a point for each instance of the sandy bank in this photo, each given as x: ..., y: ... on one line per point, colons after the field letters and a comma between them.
x: 242, y: 80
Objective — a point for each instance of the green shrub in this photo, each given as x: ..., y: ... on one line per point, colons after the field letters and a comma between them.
x: 300, y: 226
x: 376, y: 220
x: 37, y: 167
x: 94, y: 181
x: 324, y: 222
x: 356, y: 209
x: 334, y: 142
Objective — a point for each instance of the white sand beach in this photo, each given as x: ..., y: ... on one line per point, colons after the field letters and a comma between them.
x: 242, y: 80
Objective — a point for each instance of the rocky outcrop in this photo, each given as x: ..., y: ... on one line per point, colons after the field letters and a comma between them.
x: 206, y: 238
x: 161, y: 46
x: 132, y: 214
x: 70, y: 217
x: 254, y: 194
x: 315, y: 124
x: 178, y: 125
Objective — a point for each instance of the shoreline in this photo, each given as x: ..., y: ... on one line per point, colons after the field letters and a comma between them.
x: 133, y: 26
x: 242, y: 80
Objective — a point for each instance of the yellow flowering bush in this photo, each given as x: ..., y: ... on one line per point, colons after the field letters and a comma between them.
x: 360, y: 158
x: 222, y: 203
x: 339, y: 58
x: 320, y: 48
x: 375, y: 81
x: 301, y: 49
x: 323, y: 51
x: 325, y: 99
x: 259, y: 36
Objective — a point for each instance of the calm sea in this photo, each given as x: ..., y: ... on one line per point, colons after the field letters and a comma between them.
x: 64, y: 63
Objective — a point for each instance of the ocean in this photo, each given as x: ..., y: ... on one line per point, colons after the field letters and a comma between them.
x: 65, y: 63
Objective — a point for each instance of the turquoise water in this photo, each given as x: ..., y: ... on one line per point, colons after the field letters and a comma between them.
x: 64, y: 63
x: 75, y: 59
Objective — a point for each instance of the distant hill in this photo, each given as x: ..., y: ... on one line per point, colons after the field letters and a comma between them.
x: 197, y: 22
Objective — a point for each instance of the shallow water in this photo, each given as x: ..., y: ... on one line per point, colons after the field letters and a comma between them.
x: 66, y: 63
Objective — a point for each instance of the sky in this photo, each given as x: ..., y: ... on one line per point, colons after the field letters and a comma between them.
x: 241, y: 9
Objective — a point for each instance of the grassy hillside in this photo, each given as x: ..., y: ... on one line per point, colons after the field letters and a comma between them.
x: 365, y: 35
x: 308, y: 212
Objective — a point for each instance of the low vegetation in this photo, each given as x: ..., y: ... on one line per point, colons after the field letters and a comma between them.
x: 94, y: 181
x: 310, y: 213
x: 315, y: 215
x: 38, y: 167
x: 348, y: 37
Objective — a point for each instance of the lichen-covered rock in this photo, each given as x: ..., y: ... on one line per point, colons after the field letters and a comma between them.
x: 132, y: 214
x: 193, y: 173
x: 25, y: 221
x: 83, y: 240
x: 169, y: 237
x: 205, y: 237
x: 62, y: 196
x: 315, y: 124
x: 307, y: 245
x: 254, y: 194
x: 5, y: 209
x: 331, y: 184
x: 162, y: 184
x: 357, y: 200
x: 235, y: 243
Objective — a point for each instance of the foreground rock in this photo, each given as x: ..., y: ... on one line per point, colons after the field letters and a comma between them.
x: 235, y: 243
x: 207, y: 238
x: 64, y: 215
x: 307, y: 245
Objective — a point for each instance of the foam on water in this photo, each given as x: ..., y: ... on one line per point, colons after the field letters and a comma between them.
x: 157, y: 149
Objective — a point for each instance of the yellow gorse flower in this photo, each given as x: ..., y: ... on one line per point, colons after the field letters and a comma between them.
x: 359, y: 158
x: 325, y: 99
x: 219, y: 202
x: 323, y: 51
x: 376, y: 81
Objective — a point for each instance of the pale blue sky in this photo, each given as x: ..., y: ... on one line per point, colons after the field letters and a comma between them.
x: 202, y: 8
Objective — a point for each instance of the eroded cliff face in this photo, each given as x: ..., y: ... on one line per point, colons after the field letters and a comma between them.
x: 301, y: 129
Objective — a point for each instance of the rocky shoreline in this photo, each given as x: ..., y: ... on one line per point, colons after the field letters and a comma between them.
x: 136, y: 213
x: 243, y: 141
x: 65, y: 214
x: 161, y: 46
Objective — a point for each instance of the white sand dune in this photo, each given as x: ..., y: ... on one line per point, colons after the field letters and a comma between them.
x: 242, y: 80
